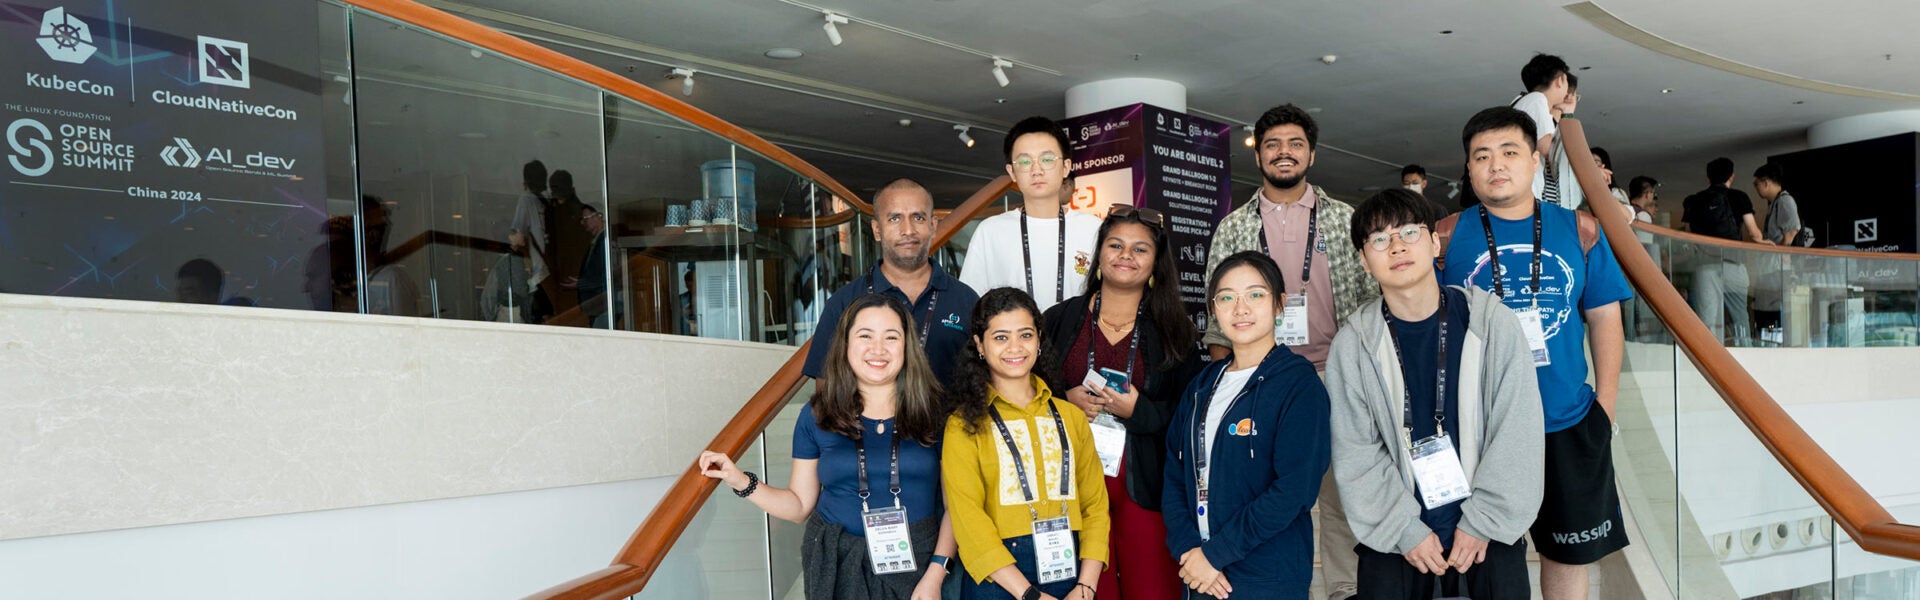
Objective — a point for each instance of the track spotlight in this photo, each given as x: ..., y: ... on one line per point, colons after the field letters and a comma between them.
x: 964, y: 138
x: 833, y: 31
x: 686, y: 80
x: 1000, y: 70
x: 1249, y: 130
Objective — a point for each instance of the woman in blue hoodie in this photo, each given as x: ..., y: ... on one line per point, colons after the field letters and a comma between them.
x: 1246, y: 450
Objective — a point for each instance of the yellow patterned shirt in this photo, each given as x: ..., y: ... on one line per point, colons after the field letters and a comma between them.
x: 984, y: 499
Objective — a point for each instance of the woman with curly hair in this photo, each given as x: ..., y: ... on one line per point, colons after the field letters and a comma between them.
x: 1024, y: 486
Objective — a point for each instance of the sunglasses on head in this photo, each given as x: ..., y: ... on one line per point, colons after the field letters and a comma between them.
x: 1146, y: 215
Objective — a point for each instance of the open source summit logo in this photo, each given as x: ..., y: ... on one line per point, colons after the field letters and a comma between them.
x: 65, y: 38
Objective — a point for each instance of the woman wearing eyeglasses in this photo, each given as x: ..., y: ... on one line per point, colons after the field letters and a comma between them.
x: 1246, y: 450
x: 1129, y: 328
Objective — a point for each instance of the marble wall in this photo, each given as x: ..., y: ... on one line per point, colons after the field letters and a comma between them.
x: 129, y: 414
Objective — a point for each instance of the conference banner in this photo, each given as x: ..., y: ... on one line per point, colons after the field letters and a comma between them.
x: 161, y: 151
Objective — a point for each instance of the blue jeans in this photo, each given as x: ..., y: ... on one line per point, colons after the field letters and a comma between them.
x: 1022, y: 550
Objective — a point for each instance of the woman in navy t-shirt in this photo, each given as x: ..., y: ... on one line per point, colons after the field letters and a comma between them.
x: 877, y: 407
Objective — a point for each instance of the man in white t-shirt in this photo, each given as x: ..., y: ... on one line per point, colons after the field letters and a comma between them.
x: 1041, y: 248
x: 1548, y: 88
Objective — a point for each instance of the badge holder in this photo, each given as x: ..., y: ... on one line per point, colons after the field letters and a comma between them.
x: 1436, y: 467
x: 1053, y: 549
x: 1532, y: 322
x: 1110, y: 441
x: 1293, y: 328
x: 889, y: 541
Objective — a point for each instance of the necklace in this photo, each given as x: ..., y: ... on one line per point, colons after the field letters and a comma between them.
x: 1115, y: 326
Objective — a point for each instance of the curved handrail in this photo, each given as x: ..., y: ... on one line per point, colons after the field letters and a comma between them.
x: 1707, y: 240
x: 1850, y: 505
x: 437, y: 21
x: 641, y: 556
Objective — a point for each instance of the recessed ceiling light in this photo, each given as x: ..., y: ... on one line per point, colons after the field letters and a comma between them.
x: 1446, y: 32
x: 1314, y: 110
x: 785, y: 53
x: 1667, y: 91
x: 1585, y: 68
x: 1799, y: 102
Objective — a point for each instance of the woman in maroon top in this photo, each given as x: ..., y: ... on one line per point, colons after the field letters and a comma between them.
x: 1130, y: 320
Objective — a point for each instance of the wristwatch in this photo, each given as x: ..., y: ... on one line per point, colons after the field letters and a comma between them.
x: 1032, y: 593
x: 942, y: 561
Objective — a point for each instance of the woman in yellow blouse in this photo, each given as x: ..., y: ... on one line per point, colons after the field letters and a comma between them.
x: 1024, y: 487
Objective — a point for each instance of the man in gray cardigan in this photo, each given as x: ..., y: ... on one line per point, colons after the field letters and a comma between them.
x: 1437, y: 442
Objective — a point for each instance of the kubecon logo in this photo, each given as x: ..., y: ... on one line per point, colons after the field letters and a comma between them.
x: 224, y: 62
x: 65, y: 38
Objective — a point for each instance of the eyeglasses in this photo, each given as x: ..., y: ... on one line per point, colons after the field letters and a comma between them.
x: 1226, y: 299
x: 1145, y: 215
x: 1408, y: 235
x: 1048, y: 162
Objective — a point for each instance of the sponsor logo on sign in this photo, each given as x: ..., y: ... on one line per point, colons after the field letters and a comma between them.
x: 59, y: 84
x: 65, y: 38
x: 1866, y: 230
x: 1089, y: 130
x: 224, y: 62
x: 183, y: 154
x: 180, y: 154
x: 79, y: 146
x: 238, y: 107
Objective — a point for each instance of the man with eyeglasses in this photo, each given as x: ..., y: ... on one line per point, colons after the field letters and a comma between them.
x: 1042, y: 248
x: 1437, y: 433
x: 1307, y: 233
x: 1553, y: 267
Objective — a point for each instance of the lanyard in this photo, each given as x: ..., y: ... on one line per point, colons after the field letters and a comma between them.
x: 1199, y: 418
x: 1020, y: 466
x: 1440, y: 385
x: 893, y: 467
x: 1026, y: 255
x: 1313, y: 235
x: 933, y: 301
x: 1133, y: 347
x: 1493, y: 254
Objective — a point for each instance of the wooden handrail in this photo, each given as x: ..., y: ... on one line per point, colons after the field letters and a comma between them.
x: 1707, y: 240
x: 437, y: 21
x: 641, y: 556
x: 1862, y: 516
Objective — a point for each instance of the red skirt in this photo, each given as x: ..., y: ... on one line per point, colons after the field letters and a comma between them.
x: 1141, y: 568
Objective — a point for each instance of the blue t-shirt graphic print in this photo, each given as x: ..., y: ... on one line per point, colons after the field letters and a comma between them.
x: 1571, y: 281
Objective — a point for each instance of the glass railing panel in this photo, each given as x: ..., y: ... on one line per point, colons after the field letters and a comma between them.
x: 1795, y: 299
x: 724, y: 551
x: 1864, y: 575
x: 447, y: 136
x: 783, y: 537
x: 1645, y: 452
x: 681, y: 271
x: 1757, y: 528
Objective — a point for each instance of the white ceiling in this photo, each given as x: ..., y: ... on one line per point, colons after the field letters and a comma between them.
x: 1399, y: 92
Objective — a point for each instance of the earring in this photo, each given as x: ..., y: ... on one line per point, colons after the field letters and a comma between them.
x: 1149, y: 281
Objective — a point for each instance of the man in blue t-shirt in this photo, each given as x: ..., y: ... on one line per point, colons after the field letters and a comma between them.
x: 1555, y: 271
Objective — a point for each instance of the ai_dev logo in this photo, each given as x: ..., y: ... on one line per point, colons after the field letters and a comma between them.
x: 65, y: 38
x: 224, y: 62
x: 28, y: 138
x: 180, y: 154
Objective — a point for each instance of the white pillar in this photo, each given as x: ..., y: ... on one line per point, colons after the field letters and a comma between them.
x: 1096, y: 96
x: 1858, y: 127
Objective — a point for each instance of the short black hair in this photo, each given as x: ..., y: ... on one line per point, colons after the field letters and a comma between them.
x: 1413, y: 170
x: 1249, y: 258
x: 1541, y: 71
x: 1573, y: 83
x: 1770, y: 172
x: 534, y: 176
x: 1392, y: 207
x: 1640, y: 186
x: 1287, y: 114
x: 1719, y: 170
x: 1606, y: 160
x: 1496, y: 118
x: 1036, y: 125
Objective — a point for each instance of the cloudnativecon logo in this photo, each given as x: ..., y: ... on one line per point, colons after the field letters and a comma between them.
x: 224, y: 62
x: 80, y: 146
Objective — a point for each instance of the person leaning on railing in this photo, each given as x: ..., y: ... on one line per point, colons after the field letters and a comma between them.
x: 1028, y: 502
x: 1130, y: 321
x: 866, y: 454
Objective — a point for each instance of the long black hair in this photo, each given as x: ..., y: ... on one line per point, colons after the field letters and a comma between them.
x: 972, y: 378
x: 1178, y: 338
x: 918, y: 415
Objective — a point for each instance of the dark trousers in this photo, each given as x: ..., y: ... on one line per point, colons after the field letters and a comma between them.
x: 1022, y: 549
x: 1390, y: 577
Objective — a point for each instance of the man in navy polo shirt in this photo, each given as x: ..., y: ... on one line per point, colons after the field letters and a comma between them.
x: 903, y: 222
x: 1555, y: 271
